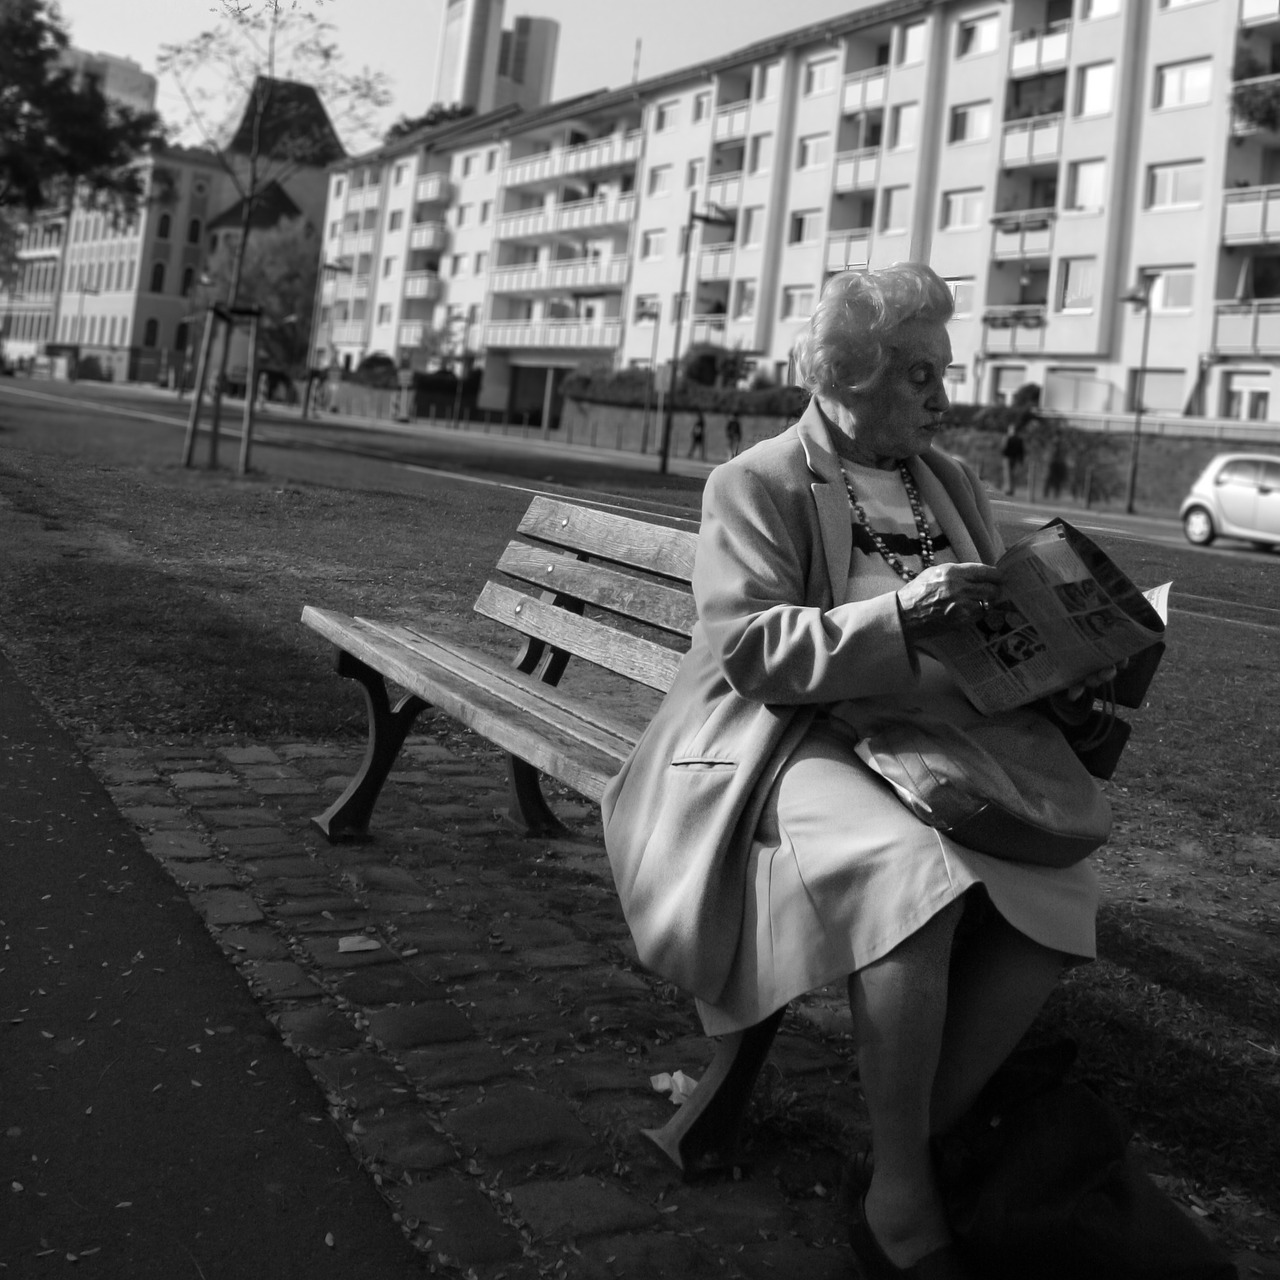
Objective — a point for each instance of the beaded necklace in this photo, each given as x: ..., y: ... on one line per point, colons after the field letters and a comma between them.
x: 917, y: 514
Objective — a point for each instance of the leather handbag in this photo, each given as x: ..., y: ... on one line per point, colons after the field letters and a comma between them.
x: 1008, y: 785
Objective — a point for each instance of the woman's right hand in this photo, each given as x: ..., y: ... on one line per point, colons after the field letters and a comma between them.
x: 946, y: 596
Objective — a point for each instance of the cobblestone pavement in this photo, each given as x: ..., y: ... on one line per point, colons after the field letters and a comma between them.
x: 468, y: 1000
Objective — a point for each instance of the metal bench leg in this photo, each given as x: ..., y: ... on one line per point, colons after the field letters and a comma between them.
x: 528, y: 805
x: 702, y: 1136
x: 348, y: 816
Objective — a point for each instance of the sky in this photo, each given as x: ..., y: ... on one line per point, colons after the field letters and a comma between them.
x: 399, y: 37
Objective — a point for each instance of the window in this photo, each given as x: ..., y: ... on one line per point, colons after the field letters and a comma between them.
x: 904, y: 125
x: 911, y: 43
x: 1245, y: 395
x: 893, y: 210
x: 1086, y: 185
x: 978, y: 35
x: 962, y: 293
x: 962, y: 209
x: 370, y: 220
x: 660, y: 180
x: 337, y: 188
x: 193, y: 231
x: 1094, y: 88
x: 491, y: 160
x: 151, y: 333
x: 814, y: 151
x: 652, y: 244
x: 457, y: 264
x: 335, y: 229
x: 797, y: 302
x: 701, y: 105
x: 1099, y: 9
x: 463, y: 215
x: 664, y: 116
x: 486, y: 211
x: 482, y: 262
x: 1171, y: 289
x: 744, y: 300
x: 760, y: 153
x: 970, y: 122
x: 396, y: 221
x: 384, y: 313
x: 646, y: 308
x: 397, y: 175
x: 752, y: 226
x: 766, y: 81
x: 806, y: 226
x: 1183, y: 84
x: 819, y: 76
x: 157, y: 277
x: 1077, y: 283
x: 693, y: 174
x: 188, y: 280
x: 468, y: 165
x: 162, y: 231
x: 1171, y: 186
x: 388, y: 266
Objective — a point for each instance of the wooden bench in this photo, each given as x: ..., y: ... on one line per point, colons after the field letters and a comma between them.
x: 591, y: 585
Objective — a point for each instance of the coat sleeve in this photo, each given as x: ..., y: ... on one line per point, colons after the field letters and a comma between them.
x: 764, y: 601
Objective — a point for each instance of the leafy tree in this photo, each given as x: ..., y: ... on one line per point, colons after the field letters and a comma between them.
x: 436, y: 114
x: 61, y: 136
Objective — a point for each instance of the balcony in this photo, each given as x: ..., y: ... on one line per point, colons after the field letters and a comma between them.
x: 602, y: 153
x: 1035, y: 51
x: 1024, y: 233
x: 360, y: 287
x: 428, y: 235
x: 1255, y: 12
x: 863, y: 91
x: 432, y: 188
x: 576, y: 273
x: 1247, y: 328
x: 1013, y: 329
x: 581, y: 215
x: 1036, y: 140
x: 347, y: 333
x: 410, y: 335
x: 725, y: 189
x: 366, y: 199
x: 730, y: 123
x: 849, y: 250
x: 715, y: 262
x: 1253, y: 105
x: 422, y: 284
x: 708, y: 329
x: 553, y: 333
x: 364, y: 242
x: 857, y: 170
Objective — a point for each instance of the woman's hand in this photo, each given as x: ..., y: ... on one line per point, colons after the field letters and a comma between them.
x: 946, y: 596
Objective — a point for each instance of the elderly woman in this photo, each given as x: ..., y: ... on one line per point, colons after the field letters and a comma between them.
x: 756, y: 856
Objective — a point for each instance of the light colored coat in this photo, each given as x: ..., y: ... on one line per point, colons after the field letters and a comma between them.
x: 770, y: 646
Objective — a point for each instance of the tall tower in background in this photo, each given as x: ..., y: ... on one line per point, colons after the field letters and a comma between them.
x: 483, y: 66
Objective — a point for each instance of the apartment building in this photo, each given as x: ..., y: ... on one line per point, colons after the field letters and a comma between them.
x: 1098, y: 180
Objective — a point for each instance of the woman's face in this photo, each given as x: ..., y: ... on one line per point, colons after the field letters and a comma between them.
x: 899, y: 415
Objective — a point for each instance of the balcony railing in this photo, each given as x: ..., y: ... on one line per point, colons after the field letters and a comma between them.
x: 715, y: 262
x: 553, y: 333
x: 422, y: 284
x: 1018, y: 328
x: 410, y: 335
x: 1253, y: 12
x: 1251, y: 215
x: 1026, y: 233
x: 428, y: 235
x: 863, y: 91
x: 349, y: 332
x: 432, y: 188
x: 601, y: 153
x: 1036, y: 140
x: 1037, y: 50
x: 581, y: 215
x: 730, y: 122
x: 725, y: 189
x: 707, y: 329
x: 849, y: 250
x: 1247, y: 328
x: 857, y: 170
x: 592, y: 273
x: 1260, y: 93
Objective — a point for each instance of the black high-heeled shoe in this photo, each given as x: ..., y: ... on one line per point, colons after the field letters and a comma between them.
x: 874, y: 1264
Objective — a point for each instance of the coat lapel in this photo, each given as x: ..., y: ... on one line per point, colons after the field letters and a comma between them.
x: 829, y: 496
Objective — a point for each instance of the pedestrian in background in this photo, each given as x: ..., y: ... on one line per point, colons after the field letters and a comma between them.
x: 733, y: 433
x: 1012, y: 452
x: 698, y: 438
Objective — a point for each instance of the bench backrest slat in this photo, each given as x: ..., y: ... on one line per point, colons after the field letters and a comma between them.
x: 640, y: 599
x: 605, y: 535
x: 631, y: 656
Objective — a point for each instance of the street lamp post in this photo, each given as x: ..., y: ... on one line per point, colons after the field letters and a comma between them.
x: 84, y: 288
x: 715, y: 219
x: 1140, y: 297
x: 328, y: 270
x: 654, y: 314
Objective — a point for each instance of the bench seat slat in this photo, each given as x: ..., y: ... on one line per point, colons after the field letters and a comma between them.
x: 620, y: 593
x: 604, y: 535
x: 547, y: 734
x: 631, y: 656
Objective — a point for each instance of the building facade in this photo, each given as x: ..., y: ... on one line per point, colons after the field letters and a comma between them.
x: 1098, y: 180
x: 483, y: 65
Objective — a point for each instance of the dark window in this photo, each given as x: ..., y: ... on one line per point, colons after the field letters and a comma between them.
x: 162, y: 231
x: 1239, y: 473
x: 193, y: 231
x: 151, y: 333
x: 188, y: 279
x: 180, y: 338
x: 157, y: 277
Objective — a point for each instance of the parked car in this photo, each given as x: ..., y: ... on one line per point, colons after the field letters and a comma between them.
x: 1236, y: 496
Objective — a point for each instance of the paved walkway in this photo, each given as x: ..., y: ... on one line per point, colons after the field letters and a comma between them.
x: 466, y: 1001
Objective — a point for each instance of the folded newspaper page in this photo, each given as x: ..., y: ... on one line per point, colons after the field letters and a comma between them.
x: 1065, y: 610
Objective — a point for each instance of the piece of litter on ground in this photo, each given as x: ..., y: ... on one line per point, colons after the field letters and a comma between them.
x: 358, y: 942
x: 677, y: 1084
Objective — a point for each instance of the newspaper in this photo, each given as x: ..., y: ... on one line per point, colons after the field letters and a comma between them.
x: 1065, y: 610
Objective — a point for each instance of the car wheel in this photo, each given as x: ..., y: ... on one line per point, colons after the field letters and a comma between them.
x: 1197, y: 524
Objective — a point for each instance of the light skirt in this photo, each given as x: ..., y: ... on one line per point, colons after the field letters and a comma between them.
x: 841, y: 872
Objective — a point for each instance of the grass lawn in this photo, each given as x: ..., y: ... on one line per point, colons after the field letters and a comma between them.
x: 154, y: 603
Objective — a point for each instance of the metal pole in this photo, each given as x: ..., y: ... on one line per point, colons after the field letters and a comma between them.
x: 1139, y: 402
x: 250, y: 391
x: 649, y: 382
x: 682, y: 301
x: 202, y: 372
